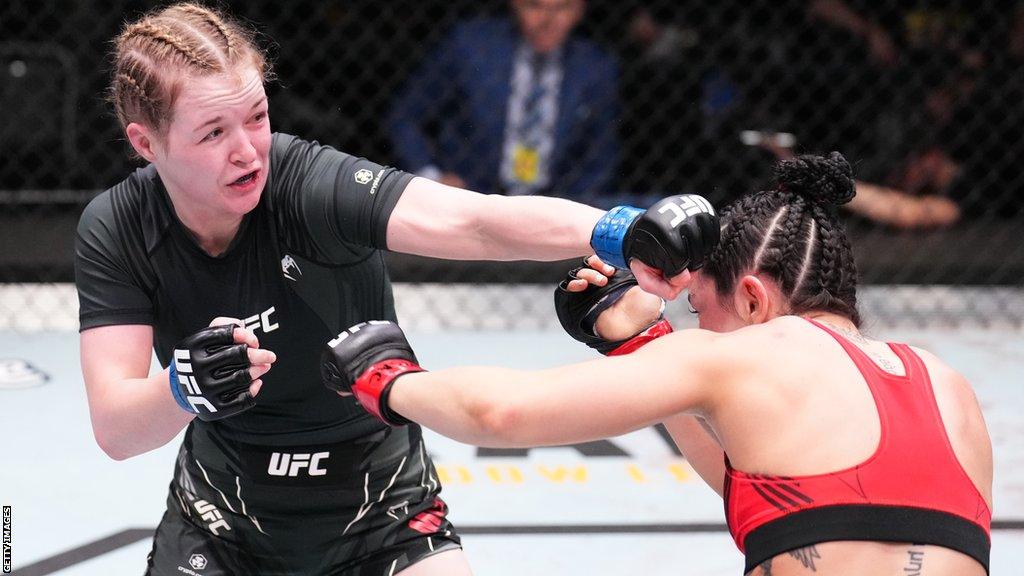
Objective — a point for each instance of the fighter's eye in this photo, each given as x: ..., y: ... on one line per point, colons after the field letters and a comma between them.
x: 212, y: 134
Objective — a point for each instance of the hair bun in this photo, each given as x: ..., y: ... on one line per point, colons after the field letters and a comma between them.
x: 819, y: 179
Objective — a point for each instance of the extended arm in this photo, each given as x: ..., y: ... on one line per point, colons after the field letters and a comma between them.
x: 699, y: 447
x: 568, y: 404
x: 630, y: 312
x: 432, y: 219
x: 658, y: 245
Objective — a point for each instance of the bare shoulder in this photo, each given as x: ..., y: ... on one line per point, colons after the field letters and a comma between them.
x: 784, y: 350
x: 963, y: 419
x: 775, y: 338
x: 757, y: 355
x: 743, y: 351
x: 945, y: 376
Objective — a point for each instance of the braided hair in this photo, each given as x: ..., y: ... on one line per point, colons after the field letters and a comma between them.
x: 792, y: 234
x: 152, y: 55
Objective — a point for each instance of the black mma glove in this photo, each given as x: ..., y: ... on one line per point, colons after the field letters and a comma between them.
x: 210, y: 374
x: 676, y: 234
x: 364, y: 361
x: 578, y: 312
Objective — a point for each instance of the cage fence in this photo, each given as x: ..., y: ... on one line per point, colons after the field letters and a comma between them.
x: 925, y: 99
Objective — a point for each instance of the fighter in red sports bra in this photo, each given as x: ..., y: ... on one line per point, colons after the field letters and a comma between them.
x: 770, y: 389
x: 912, y: 489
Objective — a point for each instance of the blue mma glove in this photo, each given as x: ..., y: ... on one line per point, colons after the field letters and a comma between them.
x: 676, y: 234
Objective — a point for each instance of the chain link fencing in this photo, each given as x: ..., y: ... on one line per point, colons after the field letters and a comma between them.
x: 924, y: 98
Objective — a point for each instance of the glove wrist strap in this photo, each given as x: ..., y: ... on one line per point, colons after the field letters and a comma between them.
x: 656, y: 330
x: 372, y: 387
x: 610, y: 234
x: 176, y: 383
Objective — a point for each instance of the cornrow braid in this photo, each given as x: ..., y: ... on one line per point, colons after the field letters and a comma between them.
x: 837, y: 271
x: 135, y: 87
x: 810, y: 243
x: 213, y: 20
x: 126, y: 80
x: 744, y: 227
x: 161, y: 34
x: 767, y: 235
x: 159, y: 49
x: 789, y: 242
x: 792, y: 235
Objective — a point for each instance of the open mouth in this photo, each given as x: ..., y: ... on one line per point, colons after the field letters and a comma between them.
x: 248, y: 178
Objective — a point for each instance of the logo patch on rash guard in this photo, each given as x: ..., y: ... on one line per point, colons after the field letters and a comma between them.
x: 262, y: 321
x: 290, y: 268
x: 363, y: 176
x: 279, y: 464
x: 311, y: 465
x: 376, y: 183
x: 197, y: 562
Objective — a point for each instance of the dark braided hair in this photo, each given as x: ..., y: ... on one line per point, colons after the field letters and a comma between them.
x: 792, y: 235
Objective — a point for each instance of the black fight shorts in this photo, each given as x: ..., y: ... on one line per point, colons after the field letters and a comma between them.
x: 368, y: 506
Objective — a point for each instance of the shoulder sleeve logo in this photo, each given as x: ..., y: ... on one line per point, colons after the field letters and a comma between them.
x: 363, y: 176
x: 197, y: 561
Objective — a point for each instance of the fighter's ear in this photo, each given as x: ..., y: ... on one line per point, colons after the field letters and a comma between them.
x: 143, y: 139
x: 756, y: 300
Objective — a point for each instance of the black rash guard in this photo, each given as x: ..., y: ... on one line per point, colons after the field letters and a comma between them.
x: 305, y: 264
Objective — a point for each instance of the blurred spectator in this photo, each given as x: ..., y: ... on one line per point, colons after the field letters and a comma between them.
x: 513, y: 106
x: 880, y: 204
x: 984, y: 142
x: 952, y: 117
x: 660, y: 84
x: 910, y: 66
x: 683, y: 102
x: 883, y: 86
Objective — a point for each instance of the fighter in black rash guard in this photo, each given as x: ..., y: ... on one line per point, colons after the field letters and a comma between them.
x: 305, y: 480
x: 232, y: 224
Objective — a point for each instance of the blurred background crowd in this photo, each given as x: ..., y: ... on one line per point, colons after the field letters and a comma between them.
x: 602, y: 101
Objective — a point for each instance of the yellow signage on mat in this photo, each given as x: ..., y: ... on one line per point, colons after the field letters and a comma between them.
x: 525, y: 163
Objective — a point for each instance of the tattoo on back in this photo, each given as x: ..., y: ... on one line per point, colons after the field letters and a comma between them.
x: 915, y: 561
x: 806, y: 556
x: 886, y: 364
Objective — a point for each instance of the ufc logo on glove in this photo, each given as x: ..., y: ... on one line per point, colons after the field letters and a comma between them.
x: 684, y: 207
x: 676, y: 234
x: 183, y: 369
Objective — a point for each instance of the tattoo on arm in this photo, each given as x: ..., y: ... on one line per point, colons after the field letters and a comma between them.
x: 915, y: 560
x: 806, y: 556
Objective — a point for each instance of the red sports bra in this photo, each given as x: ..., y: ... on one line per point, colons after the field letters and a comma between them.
x: 912, y: 489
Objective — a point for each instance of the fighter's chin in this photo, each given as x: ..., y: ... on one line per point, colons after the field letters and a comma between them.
x: 243, y: 203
